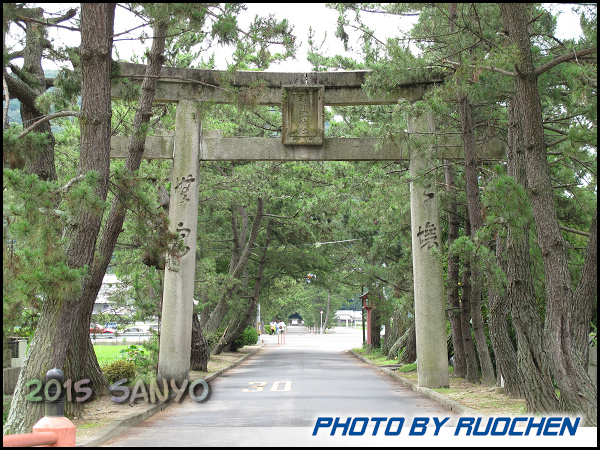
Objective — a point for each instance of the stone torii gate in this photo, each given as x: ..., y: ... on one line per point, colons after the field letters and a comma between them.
x: 303, y: 96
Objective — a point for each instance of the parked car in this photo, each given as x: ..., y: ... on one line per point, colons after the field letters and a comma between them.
x: 98, y: 329
x: 134, y: 330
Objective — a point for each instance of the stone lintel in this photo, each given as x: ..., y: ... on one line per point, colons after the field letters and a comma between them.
x: 215, y: 148
x: 341, y: 88
x: 156, y: 147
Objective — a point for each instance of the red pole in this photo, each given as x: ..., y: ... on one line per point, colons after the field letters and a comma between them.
x: 62, y: 427
x: 368, y: 326
x: 29, y: 439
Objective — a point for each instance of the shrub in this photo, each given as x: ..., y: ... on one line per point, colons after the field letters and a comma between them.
x: 248, y: 337
x: 144, y: 358
x: 251, y: 335
x: 118, y: 370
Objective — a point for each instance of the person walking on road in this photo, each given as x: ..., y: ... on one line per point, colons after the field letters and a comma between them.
x: 277, y: 331
x: 282, y: 328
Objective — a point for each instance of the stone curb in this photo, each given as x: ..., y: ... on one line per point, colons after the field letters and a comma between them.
x: 453, y: 405
x: 120, y: 425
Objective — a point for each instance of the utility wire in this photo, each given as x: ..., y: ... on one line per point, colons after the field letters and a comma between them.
x: 295, y: 245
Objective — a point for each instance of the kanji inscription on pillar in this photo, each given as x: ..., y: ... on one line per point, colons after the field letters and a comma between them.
x: 184, y: 232
x: 183, y: 187
x: 428, y: 236
x: 303, y: 115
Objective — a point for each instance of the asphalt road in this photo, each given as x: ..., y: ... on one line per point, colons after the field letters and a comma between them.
x: 278, y: 395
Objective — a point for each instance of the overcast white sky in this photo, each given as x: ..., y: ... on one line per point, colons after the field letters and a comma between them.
x: 301, y: 15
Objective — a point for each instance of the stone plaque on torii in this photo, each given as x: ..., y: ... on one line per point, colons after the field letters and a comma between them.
x: 303, y: 115
x: 302, y: 97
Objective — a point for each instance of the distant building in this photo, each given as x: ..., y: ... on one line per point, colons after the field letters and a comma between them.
x: 103, y: 304
x: 295, y: 319
x: 348, y: 318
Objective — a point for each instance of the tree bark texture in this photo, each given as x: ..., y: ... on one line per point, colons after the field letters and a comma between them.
x: 392, y: 331
x: 586, y: 292
x: 506, y: 355
x: 465, y: 319
x: 246, y: 317
x: 452, y: 279
x: 533, y: 364
x: 238, y: 263
x: 488, y: 377
x: 41, y: 162
x: 578, y: 392
x: 410, y: 350
x: 116, y: 217
x: 327, y: 311
x: 200, y: 351
x: 60, y: 317
x: 375, y: 328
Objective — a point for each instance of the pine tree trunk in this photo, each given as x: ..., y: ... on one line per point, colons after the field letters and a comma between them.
x: 452, y: 280
x: 237, y: 266
x: 386, y: 337
x: 81, y: 356
x: 60, y: 319
x: 533, y: 364
x: 585, y: 293
x: 399, y: 344
x: 578, y: 394
x: 246, y: 318
x: 42, y: 161
x: 465, y: 320
x: 200, y: 351
x: 205, y: 314
x: 392, y: 331
x: 488, y: 377
x: 327, y: 311
x: 375, y: 328
x: 506, y: 355
x: 46, y: 351
x: 410, y: 351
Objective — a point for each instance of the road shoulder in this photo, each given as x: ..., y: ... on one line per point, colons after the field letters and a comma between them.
x: 116, y: 427
x: 449, y: 403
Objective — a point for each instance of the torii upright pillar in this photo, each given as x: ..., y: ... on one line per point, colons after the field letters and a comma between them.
x: 178, y: 294
x: 430, y: 312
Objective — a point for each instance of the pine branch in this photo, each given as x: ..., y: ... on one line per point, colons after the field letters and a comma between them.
x: 53, y: 22
x: 6, y: 103
x: 47, y: 118
x: 492, y: 69
x: 573, y: 230
x: 67, y: 186
x: 563, y: 58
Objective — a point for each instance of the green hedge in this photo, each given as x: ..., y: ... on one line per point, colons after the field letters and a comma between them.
x: 248, y: 337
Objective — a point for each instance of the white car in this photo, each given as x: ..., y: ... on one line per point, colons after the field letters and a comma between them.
x: 134, y: 330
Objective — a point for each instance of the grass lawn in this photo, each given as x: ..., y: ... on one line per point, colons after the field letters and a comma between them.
x: 375, y: 356
x: 108, y: 353
x: 105, y: 354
